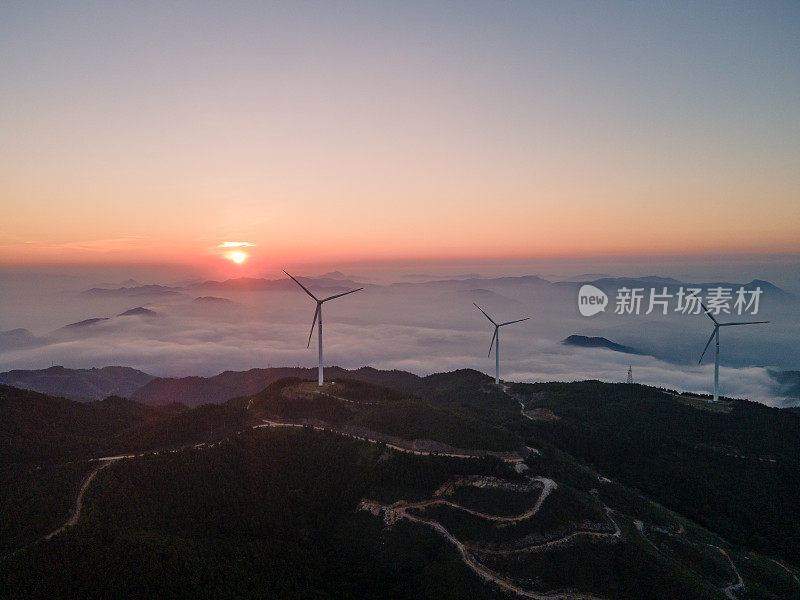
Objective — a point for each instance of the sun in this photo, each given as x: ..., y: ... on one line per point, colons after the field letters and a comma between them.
x: 233, y: 251
x: 237, y: 257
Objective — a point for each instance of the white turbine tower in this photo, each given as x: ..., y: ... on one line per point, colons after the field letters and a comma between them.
x: 318, y: 318
x: 496, y: 341
x: 715, y: 334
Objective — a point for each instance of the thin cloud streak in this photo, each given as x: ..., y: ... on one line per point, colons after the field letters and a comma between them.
x: 235, y: 244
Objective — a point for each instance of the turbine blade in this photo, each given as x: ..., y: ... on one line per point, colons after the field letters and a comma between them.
x: 517, y: 321
x: 340, y: 295
x: 302, y: 286
x: 708, y: 312
x: 707, y: 345
x: 493, y: 338
x: 742, y: 323
x: 314, y: 322
x: 487, y: 316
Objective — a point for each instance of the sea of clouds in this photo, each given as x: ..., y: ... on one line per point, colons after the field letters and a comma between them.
x: 422, y: 327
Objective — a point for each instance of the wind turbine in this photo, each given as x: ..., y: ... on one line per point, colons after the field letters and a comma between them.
x: 318, y: 318
x: 715, y: 335
x: 496, y: 337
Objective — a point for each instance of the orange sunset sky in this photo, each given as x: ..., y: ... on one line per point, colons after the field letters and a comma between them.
x: 152, y: 132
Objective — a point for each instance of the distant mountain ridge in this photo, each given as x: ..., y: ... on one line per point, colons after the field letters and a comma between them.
x: 672, y: 284
x: 598, y: 342
x: 138, y: 290
x: 138, y: 311
x: 337, y: 281
x: 78, y: 384
x: 331, y: 281
x: 86, y: 322
x: 18, y: 338
x: 787, y: 383
x: 212, y: 300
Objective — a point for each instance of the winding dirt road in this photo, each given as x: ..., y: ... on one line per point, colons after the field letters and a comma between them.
x: 107, y: 460
x: 76, y: 511
x: 400, y: 510
x: 562, y: 541
x: 729, y: 590
x: 269, y: 423
x: 496, y: 578
x: 401, y: 506
x: 736, y: 585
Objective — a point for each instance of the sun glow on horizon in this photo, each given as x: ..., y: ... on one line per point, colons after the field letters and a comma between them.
x: 237, y: 257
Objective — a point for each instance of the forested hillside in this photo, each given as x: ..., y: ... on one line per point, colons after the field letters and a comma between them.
x: 251, y: 498
x: 733, y: 467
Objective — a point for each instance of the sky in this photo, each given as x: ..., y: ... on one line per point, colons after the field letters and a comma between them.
x: 154, y: 132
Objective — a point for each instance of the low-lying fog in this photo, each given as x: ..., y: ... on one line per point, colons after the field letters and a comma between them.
x: 422, y: 323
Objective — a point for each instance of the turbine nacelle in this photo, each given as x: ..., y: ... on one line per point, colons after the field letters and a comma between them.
x: 496, y: 337
x: 717, y: 325
x: 318, y: 316
x: 715, y: 334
